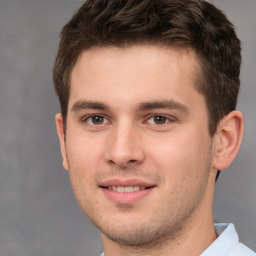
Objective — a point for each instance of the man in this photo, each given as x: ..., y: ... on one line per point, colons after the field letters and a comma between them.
x: 148, y: 91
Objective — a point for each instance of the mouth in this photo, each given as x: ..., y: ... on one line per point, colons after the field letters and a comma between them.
x: 127, y: 191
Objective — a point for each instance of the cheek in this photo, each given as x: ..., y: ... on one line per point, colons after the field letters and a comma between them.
x: 84, y: 153
x: 181, y: 156
x: 82, y: 159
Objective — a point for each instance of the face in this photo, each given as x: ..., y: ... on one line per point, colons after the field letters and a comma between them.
x: 137, y: 144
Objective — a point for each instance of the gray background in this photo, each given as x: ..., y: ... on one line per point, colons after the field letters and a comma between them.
x: 38, y: 213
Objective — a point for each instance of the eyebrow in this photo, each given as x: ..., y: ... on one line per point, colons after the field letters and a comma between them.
x: 144, y: 106
x: 84, y: 104
x: 167, y: 104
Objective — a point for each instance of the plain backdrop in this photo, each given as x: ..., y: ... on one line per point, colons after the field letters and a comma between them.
x: 38, y: 213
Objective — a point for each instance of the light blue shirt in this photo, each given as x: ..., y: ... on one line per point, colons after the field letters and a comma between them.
x: 227, y: 243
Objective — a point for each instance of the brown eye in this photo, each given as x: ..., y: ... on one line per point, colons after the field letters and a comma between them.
x: 160, y: 119
x: 96, y: 120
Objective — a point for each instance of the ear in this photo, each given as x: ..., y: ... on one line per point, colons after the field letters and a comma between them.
x: 61, y: 134
x: 228, y: 139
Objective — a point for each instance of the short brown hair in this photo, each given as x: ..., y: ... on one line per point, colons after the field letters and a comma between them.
x: 185, y: 23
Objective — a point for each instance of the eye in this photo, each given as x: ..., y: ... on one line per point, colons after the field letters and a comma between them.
x: 158, y: 119
x: 95, y: 120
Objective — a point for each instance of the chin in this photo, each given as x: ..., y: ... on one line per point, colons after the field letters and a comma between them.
x: 136, y: 234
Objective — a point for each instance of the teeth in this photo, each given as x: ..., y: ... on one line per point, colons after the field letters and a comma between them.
x: 126, y: 189
x: 120, y: 189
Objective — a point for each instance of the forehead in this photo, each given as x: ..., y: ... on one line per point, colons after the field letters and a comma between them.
x: 134, y: 73
x: 146, y: 54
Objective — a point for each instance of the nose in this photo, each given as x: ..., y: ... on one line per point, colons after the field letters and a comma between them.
x: 125, y: 147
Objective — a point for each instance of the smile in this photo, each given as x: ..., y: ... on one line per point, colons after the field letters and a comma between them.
x: 126, y: 191
x: 129, y: 189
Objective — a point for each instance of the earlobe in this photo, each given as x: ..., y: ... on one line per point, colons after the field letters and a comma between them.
x: 228, y: 139
x: 61, y: 134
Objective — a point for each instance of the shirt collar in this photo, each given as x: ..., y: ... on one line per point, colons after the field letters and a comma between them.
x: 227, y: 238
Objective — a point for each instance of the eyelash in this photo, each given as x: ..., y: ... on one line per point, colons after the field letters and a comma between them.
x: 167, y: 119
x: 86, y: 118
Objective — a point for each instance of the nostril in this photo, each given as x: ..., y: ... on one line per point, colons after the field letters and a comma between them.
x: 111, y: 162
x: 132, y: 161
x: 123, y: 164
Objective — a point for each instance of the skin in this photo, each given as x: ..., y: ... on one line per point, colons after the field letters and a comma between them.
x: 134, y: 116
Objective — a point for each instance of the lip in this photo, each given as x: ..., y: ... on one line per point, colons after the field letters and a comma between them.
x: 126, y: 183
x: 124, y: 197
